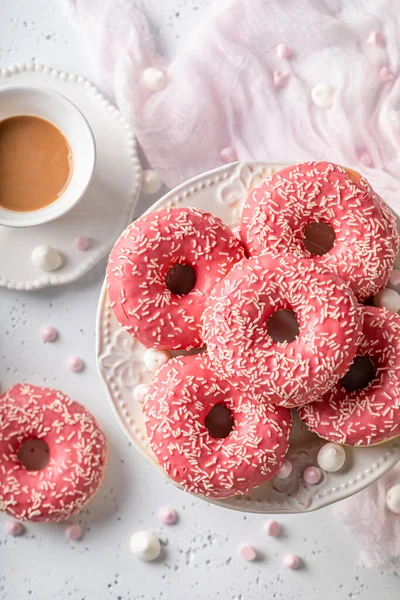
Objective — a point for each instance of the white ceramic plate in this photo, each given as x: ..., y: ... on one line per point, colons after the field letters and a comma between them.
x: 108, y: 204
x: 121, y: 367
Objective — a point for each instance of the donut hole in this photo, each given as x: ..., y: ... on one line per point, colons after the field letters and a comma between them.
x: 34, y: 454
x: 283, y: 326
x: 319, y: 238
x: 360, y: 374
x: 219, y: 421
x: 180, y: 279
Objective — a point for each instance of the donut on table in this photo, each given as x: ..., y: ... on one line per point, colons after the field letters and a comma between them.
x: 237, y: 328
x: 357, y: 225
x: 77, y: 454
x: 364, y: 407
x: 177, y: 410
x: 161, y: 271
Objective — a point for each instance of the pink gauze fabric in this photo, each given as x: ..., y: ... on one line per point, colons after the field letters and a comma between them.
x: 374, y: 526
x: 223, y: 89
x: 230, y: 88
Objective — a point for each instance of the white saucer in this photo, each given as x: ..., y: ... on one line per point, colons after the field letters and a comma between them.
x: 107, y: 206
x: 121, y: 367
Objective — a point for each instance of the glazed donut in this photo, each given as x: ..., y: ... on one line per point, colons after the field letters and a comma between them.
x: 176, y: 409
x: 161, y: 271
x: 361, y: 416
x: 77, y: 450
x: 365, y: 241
x: 239, y: 340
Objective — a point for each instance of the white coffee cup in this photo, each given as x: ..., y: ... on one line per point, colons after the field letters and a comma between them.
x: 63, y: 114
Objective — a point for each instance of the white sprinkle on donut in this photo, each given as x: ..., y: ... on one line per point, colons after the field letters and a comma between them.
x: 360, y: 228
x: 182, y: 394
x: 369, y: 412
x: 288, y: 373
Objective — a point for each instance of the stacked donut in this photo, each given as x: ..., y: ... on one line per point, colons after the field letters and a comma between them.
x: 218, y: 421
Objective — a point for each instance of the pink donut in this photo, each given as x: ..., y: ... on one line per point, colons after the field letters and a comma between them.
x: 77, y: 450
x: 176, y: 411
x: 365, y: 240
x: 161, y: 271
x: 361, y: 416
x: 238, y: 335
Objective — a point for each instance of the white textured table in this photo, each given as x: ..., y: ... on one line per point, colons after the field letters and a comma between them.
x: 41, y: 565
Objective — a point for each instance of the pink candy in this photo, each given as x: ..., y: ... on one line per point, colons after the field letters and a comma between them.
x: 280, y: 79
x: 375, y: 39
x: 291, y: 561
x: 167, y: 515
x: 312, y: 475
x: 82, y: 243
x: 228, y: 155
x: 73, y: 533
x: 385, y: 74
x: 140, y: 391
x: 283, y: 51
x: 248, y: 552
x: 75, y: 364
x: 48, y: 333
x: 14, y: 528
x: 285, y: 469
x: 365, y: 158
x: 272, y: 528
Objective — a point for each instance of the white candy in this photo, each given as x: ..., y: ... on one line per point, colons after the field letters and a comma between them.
x: 331, y: 457
x: 154, y: 79
x: 154, y: 359
x: 46, y: 258
x: 323, y: 95
x: 393, y: 499
x: 145, y: 545
x: 388, y: 299
x: 151, y: 182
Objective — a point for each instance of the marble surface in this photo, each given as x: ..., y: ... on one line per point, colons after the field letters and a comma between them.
x: 200, y: 557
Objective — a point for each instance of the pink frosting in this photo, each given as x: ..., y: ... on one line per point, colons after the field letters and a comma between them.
x: 137, y: 289
x: 167, y: 515
x: 277, y: 212
x: 248, y: 552
x: 370, y: 415
x: 77, y: 448
x: 48, y: 333
x: 289, y: 374
x: 181, y: 395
